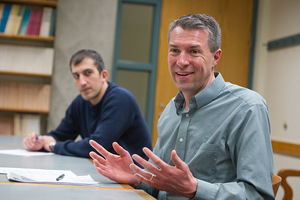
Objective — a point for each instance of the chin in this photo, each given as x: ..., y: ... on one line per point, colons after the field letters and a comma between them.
x: 85, y: 97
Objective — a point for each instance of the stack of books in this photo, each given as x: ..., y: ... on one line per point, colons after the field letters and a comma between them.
x: 25, y: 124
x: 31, y: 60
x: 18, y: 19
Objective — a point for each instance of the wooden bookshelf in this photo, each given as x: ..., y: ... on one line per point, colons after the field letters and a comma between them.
x: 24, y: 61
x: 26, y: 74
x: 27, y: 37
x: 24, y: 97
x: 50, y: 3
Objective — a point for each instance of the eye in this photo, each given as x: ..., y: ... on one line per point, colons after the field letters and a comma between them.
x: 195, y: 52
x: 87, y: 73
x: 173, y: 51
x: 76, y: 76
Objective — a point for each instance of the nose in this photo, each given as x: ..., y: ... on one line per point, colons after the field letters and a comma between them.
x: 82, y: 80
x: 183, y: 59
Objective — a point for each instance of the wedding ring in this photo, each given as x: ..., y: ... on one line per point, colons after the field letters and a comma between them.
x: 151, y: 177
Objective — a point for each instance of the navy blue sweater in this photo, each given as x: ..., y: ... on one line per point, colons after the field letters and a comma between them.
x: 116, y: 117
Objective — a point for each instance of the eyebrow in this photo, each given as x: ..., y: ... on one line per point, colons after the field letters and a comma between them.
x: 173, y: 45
x: 191, y: 47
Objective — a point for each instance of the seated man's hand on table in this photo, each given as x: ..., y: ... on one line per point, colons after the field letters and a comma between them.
x: 31, y: 142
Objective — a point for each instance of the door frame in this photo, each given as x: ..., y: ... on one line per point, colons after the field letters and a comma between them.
x: 139, y: 66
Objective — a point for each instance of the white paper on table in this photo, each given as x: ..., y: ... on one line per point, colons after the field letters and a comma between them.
x: 47, y: 176
x: 24, y: 152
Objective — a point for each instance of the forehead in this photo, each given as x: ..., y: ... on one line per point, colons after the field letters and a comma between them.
x: 86, y: 63
x: 187, y: 36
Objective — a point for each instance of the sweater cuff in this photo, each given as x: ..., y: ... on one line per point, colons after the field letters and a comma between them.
x: 57, y: 147
x: 205, y: 191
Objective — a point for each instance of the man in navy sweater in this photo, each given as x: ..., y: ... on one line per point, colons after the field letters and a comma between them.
x: 103, y: 112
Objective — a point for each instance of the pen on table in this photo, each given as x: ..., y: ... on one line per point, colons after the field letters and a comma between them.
x: 60, y: 177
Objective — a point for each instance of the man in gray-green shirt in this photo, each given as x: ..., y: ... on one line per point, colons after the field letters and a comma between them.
x: 213, y: 137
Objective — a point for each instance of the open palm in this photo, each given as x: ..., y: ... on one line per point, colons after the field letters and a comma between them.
x: 114, y: 167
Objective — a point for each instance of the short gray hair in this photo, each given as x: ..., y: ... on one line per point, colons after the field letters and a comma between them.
x: 200, y: 21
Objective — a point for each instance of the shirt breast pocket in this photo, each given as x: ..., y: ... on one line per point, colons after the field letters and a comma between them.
x: 203, y: 164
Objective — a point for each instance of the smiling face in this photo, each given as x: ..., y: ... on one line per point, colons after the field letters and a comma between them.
x: 90, y: 83
x: 191, y: 64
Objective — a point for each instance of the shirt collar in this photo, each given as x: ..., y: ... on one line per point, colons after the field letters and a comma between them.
x: 205, y: 96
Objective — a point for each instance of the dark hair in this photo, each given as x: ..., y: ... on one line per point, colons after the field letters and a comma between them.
x: 87, y: 53
x: 200, y: 21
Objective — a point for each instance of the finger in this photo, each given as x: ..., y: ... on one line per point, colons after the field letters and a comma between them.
x: 95, y: 156
x: 150, y: 181
x: 100, y: 168
x: 155, y: 159
x: 32, y: 136
x: 143, y: 173
x: 120, y: 150
x: 177, y: 161
x: 148, y: 166
x: 25, y: 143
x: 99, y: 148
x: 98, y: 164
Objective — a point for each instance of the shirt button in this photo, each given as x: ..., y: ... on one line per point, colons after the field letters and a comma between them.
x: 187, y: 115
x: 180, y: 140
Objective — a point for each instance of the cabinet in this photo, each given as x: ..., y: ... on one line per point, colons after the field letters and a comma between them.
x: 26, y: 64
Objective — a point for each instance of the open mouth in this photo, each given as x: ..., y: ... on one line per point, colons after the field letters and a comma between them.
x: 183, y: 74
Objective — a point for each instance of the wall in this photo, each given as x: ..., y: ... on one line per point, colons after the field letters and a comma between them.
x: 276, y: 77
x: 80, y: 24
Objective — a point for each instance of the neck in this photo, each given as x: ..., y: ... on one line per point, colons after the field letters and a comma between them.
x: 186, y: 104
x: 96, y: 100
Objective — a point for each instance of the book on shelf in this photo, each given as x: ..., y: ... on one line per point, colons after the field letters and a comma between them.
x: 46, y: 22
x: 11, y: 20
x: 52, y: 26
x: 1, y: 10
x: 30, y: 97
x: 31, y: 21
x: 14, y: 19
x: 37, y: 22
x: 24, y: 124
x: 5, y: 14
x: 24, y: 23
x: 6, y: 126
x: 27, y: 20
x: 33, y: 60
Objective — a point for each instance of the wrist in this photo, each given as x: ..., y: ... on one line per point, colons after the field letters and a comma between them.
x: 193, y: 191
x: 136, y: 184
x: 51, y: 146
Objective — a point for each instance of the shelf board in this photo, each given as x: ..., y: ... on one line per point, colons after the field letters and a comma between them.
x: 28, y: 37
x: 24, y: 110
x: 26, y: 74
x: 33, y: 2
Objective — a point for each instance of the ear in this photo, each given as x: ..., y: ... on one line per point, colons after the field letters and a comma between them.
x: 104, y: 75
x: 217, y: 56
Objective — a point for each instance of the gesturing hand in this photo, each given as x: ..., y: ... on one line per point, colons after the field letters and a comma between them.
x: 176, y: 179
x: 114, y: 167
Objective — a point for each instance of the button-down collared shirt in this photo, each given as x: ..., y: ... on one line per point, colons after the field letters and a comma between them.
x: 224, y: 138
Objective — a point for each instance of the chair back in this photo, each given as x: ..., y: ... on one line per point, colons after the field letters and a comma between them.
x: 276, y: 183
x: 284, y: 173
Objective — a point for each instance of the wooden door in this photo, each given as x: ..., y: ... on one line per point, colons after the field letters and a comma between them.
x: 235, y: 19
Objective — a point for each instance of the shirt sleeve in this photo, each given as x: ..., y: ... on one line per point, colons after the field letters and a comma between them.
x: 251, y: 152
